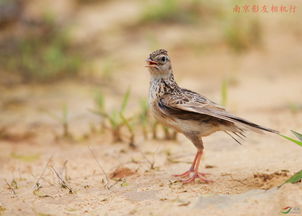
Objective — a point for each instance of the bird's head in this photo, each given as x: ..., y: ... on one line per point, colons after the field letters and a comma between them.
x: 159, y: 63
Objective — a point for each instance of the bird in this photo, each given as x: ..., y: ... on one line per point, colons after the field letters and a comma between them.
x: 190, y: 113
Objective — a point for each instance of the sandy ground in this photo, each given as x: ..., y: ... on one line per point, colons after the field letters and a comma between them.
x: 265, y: 88
x: 245, y: 177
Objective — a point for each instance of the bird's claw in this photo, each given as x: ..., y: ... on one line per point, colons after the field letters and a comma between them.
x: 183, y: 175
x: 199, y: 176
x: 187, y: 174
x: 195, y: 175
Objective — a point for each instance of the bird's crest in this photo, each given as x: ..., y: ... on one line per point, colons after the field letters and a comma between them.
x: 158, y: 52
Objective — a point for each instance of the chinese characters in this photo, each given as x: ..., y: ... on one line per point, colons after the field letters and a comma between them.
x: 265, y: 9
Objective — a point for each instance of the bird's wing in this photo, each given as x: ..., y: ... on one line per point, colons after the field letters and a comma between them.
x: 189, y: 101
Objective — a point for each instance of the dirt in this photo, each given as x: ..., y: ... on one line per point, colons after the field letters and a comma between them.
x: 42, y: 173
x: 140, y: 182
x: 257, y: 165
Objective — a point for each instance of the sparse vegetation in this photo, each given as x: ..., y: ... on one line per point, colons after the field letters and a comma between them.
x: 116, y: 119
x: 2, y: 210
x: 43, y: 53
x: 242, y: 33
x: 143, y: 117
x: 171, y: 11
x: 57, y: 157
x: 297, y: 176
x: 85, y: 2
x: 63, y: 119
x: 25, y: 158
x: 298, y: 135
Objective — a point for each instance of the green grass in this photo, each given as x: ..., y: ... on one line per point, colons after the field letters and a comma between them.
x: 242, y: 32
x: 63, y: 119
x: 143, y: 117
x: 108, y: 66
x: 25, y: 158
x: 294, y: 107
x: 115, y: 118
x: 41, y: 53
x: 298, y: 135
x: 171, y: 11
x: 293, y: 179
x: 298, y: 175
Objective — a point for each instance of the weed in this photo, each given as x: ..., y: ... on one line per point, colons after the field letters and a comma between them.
x: 242, y: 33
x: 298, y: 135
x: 154, y: 129
x: 62, y: 182
x: 39, y: 194
x: 25, y: 158
x: 169, y: 134
x: 294, y: 107
x: 107, y: 186
x: 37, y: 185
x: 297, y: 176
x: 152, y: 163
x: 84, y: 2
x: 99, y: 101
x: 293, y: 179
x: 130, y: 128
x: 107, y: 67
x: 171, y: 11
x: 43, y: 214
x: 2, y: 210
x: 63, y: 120
x: 42, y: 53
x: 124, y: 183
x: 12, y: 186
x: 116, y: 118
x: 143, y: 117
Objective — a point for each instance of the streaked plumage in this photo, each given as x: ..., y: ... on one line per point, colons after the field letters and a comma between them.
x: 188, y: 112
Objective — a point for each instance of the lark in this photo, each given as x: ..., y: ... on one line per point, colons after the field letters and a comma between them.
x: 189, y: 113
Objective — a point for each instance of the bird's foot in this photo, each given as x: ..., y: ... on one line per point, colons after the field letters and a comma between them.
x: 188, y: 173
x: 185, y: 174
x: 197, y: 175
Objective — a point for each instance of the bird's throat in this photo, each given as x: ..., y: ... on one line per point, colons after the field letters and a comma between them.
x: 168, y: 76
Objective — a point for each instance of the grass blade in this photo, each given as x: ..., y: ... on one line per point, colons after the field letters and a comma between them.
x: 292, y: 140
x: 125, y: 101
x: 100, y: 101
x: 293, y: 179
x: 298, y: 135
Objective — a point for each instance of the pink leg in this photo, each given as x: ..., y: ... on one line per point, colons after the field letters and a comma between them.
x: 187, y: 173
x: 194, y: 170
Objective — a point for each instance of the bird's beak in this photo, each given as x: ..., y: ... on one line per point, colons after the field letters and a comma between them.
x: 150, y: 63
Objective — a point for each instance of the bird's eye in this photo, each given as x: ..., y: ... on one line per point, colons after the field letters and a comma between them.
x: 163, y: 59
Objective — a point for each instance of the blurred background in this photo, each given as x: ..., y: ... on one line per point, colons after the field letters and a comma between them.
x: 73, y: 98
x: 74, y: 60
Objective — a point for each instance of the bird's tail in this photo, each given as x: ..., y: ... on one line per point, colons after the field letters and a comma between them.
x: 252, y: 126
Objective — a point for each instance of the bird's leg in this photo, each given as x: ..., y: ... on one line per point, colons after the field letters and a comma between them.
x: 195, y: 165
x: 195, y: 172
x: 187, y: 173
